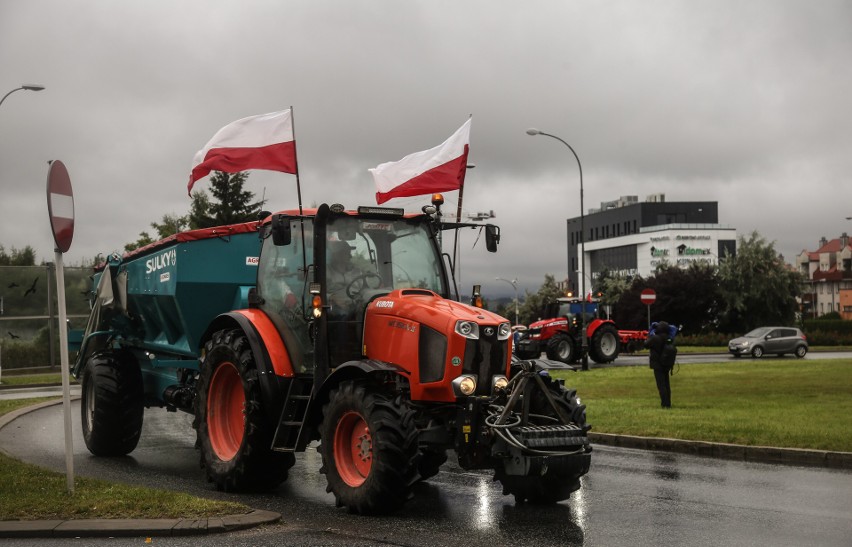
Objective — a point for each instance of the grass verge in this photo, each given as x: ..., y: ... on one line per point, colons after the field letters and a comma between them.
x: 30, y: 379
x: 28, y: 492
x: 782, y: 403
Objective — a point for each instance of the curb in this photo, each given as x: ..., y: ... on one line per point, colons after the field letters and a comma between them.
x: 133, y: 527
x: 757, y: 454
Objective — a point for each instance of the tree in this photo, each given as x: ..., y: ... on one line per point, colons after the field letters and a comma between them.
x: 17, y: 257
x: 533, y: 305
x: 611, y: 287
x: 756, y: 287
x: 689, y: 298
x: 230, y: 205
x: 144, y: 239
x: 170, y: 225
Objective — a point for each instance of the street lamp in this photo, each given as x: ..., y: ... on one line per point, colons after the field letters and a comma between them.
x: 28, y: 87
x: 584, y: 340
x: 514, y: 286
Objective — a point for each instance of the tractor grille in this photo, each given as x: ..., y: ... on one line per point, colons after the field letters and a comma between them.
x: 432, y: 354
x: 485, y: 358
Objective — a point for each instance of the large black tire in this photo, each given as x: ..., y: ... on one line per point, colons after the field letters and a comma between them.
x: 605, y: 344
x: 234, y: 434
x: 555, y: 484
x: 561, y: 348
x: 113, y: 402
x: 369, y: 449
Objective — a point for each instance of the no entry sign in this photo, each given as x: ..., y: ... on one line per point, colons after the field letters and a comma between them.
x: 648, y: 296
x: 60, y: 205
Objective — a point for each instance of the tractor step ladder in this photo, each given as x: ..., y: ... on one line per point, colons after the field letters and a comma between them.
x: 288, y: 434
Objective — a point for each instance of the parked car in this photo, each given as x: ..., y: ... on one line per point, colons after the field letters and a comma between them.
x: 777, y: 340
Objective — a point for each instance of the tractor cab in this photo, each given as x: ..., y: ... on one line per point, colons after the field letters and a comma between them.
x: 572, y: 308
x: 320, y: 270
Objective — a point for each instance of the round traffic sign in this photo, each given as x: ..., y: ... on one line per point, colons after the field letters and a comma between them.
x: 60, y: 205
x: 648, y: 296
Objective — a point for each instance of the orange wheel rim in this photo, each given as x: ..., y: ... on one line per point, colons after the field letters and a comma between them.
x: 353, y: 449
x: 226, y: 403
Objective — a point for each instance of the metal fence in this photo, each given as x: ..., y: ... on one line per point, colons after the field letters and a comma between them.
x: 29, y: 323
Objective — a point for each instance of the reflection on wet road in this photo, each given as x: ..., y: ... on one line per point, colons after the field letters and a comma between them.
x: 630, y: 497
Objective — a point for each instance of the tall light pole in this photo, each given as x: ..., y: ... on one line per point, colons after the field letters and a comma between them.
x: 27, y: 87
x: 514, y: 284
x: 584, y: 341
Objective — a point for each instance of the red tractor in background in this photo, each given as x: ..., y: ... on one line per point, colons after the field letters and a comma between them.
x: 559, y: 333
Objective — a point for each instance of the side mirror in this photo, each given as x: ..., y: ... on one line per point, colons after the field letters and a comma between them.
x: 492, y: 237
x: 281, y: 233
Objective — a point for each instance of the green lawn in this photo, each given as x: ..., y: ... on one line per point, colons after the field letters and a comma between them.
x: 28, y: 379
x: 784, y: 403
x: 28, y: 492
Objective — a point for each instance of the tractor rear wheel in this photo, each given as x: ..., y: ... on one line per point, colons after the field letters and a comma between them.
x: 369, y: 448
x: 112, y: 403
x: 604, y: 344
x: 233, y: 432
x: 561, y: 348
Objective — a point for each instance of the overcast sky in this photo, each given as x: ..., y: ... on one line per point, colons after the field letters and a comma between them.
x: 744, y: 103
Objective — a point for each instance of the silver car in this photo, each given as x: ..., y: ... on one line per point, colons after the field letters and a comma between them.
x: 777, y: 340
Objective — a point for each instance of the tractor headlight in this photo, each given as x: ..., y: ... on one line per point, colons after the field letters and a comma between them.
x: 465, y: 384
x: 499, y: 382
x: 468, y: 329
x: 504, y: 331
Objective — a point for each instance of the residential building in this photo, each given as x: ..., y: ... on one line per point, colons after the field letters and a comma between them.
x: 828, y: 278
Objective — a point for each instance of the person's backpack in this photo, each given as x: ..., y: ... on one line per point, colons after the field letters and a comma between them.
x: 668, y: 355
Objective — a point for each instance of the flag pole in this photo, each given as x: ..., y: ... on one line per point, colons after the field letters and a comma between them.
x: 296, y: 159
x: 456, y: 265
x: 299, y: 194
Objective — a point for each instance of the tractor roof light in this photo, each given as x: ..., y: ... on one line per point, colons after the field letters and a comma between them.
x: 437, y: 199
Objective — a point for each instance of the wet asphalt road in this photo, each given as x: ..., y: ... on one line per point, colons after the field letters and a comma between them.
x: 630, y: 497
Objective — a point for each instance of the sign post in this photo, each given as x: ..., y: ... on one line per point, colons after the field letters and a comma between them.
x: 60, y: 208
x: 648, y: 297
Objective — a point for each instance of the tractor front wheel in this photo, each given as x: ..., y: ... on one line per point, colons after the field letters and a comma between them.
x: 233, y: 432
x: 557, y: 482
x: 369, y: 448
x: 604, y: 344
x: 561, y: 348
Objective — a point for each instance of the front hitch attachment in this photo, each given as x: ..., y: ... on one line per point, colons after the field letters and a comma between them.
x: 537, y: 416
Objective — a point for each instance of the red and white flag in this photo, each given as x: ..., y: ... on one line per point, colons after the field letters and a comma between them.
x: 257, y: 142
x: 440, y: 169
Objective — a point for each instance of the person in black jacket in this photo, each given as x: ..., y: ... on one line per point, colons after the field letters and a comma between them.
x: 655, y: 344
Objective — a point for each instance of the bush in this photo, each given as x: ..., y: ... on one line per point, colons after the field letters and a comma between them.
x: 706, y: 339
x: 18, y: 354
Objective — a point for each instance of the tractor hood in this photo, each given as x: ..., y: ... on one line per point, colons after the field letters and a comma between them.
x: 429, y: 308
x: 546, y: 323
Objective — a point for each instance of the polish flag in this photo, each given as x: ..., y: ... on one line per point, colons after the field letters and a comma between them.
x: 440, y: 169
x: 257, y: 142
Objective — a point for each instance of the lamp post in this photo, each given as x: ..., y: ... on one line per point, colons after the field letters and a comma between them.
x: 584, y: 340
x: 28, y: 87
x: 514, y: 284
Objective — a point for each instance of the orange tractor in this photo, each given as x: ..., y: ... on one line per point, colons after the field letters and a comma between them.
x: 346, y: 335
